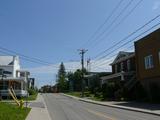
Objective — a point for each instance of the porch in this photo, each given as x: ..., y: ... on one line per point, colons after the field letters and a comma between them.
x: 18, y: 85
x: 122, y: 76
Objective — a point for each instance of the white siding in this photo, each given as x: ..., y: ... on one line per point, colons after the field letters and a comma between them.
x: 16, y: 66
x: 8, y: 68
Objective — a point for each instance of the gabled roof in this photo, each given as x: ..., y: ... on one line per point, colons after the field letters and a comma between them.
x: 7, y: 60
x: 122, y: 56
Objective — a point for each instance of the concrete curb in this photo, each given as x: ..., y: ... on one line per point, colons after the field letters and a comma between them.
x: 113, y: 106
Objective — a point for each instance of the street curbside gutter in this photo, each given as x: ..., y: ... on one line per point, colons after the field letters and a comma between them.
x: 113, y: 106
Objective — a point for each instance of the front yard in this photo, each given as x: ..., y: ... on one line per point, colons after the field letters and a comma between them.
x: 12, y: 112
x: 31, y: 97
x: 86, y: 94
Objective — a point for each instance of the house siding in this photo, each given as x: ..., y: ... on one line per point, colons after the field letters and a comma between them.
x: 125, y: 68
x: 10, y: 66
x: 149, y: 45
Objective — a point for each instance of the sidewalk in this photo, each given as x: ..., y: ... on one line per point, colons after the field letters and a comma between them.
x: 153, y: 109
x: 39, y: 110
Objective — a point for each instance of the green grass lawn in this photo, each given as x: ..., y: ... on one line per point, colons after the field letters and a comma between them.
x: 31, y: 97
x: 12, y: 112
x: 77, y: 94
x: 90, y: 96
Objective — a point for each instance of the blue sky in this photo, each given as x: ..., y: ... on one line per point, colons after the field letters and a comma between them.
x: 53, y: 30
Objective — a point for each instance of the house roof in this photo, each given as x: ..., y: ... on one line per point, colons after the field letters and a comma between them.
x: 122, y: 55
x: 7, y: 60
x: 143, y: 39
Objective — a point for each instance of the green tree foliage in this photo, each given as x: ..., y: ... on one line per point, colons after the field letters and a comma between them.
x: 75, y: 80
x: 62, y: 81
x: 111, y: 89
x: 94, y: 83
x: 70, y: 76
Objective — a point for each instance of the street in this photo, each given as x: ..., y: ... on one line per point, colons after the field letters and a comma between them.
x: 65, y: 108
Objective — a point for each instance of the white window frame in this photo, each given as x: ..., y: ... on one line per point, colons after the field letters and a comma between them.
x: 148, y: 62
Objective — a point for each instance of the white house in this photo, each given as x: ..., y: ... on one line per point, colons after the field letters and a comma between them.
x: 11, y: 75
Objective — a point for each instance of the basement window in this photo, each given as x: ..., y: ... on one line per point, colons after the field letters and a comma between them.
x: 148, y: 62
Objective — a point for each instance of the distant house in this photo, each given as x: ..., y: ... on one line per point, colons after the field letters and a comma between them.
x: 31, y: 83
x: 147, y: 52
x: 123, y: 68
x: 94, y: 77
x: 12, y: 76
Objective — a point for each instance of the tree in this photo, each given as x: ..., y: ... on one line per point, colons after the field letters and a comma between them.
x: 62, y: 82
x: 77, y: 80
x: 94, y: 83
x: 70, y: 76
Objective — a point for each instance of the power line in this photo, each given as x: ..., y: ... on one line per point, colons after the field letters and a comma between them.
x: 131, y: 40
x: 119, y: 23
x: 25, y: 56
x: 28, y: 60
x: 115, y: 19
x: 109, y: 57
x: 106, y: 20
x: 126, y: 37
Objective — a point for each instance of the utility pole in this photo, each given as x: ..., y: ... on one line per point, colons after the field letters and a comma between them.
x: 82, y: 52
x: 88, y: 64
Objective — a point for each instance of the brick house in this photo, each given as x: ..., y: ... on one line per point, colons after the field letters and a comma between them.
x: 147, y: 51
x: 123, y: 69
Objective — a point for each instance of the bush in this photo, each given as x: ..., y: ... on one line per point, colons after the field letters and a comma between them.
x: 32, y: 91
x: 155, y: 97
x: 87, y: 94
x: 108, y: 90
x: 119, y: 94
x: 138, y: 93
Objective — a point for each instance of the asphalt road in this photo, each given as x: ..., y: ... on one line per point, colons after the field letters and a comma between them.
x: 64, y: 108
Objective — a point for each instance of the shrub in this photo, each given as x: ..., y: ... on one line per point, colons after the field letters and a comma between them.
x: 87, y: 94
x: 108, y: 90
x: 32, y: 91
x: 119, y: 94
x: 154, y: 88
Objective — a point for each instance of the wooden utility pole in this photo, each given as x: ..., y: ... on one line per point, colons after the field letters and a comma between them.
x: 88, y: 65
x: 82, y: 52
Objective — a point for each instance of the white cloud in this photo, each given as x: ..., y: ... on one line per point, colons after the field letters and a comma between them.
x: 70, y: 66
x: 156, y: 5
x: 46, y: 74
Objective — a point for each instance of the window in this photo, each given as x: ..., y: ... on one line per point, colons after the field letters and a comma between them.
x: 122, y: 66
x: 148, y: 62
x: 116, y: 68
x: 1, y: 72
x: 128, y: 65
